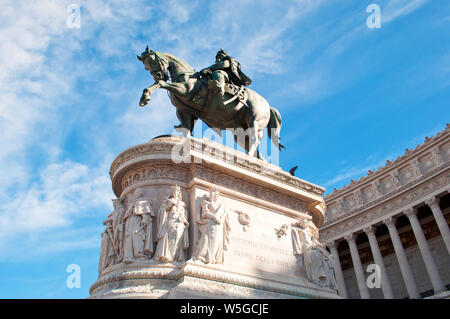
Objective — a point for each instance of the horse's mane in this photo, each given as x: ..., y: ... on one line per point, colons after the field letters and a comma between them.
x: 179, y: 61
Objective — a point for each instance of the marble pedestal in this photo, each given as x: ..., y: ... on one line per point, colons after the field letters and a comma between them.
x: 263, y: 202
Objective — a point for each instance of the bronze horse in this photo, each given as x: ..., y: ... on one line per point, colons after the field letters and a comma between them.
x: 248, y: 112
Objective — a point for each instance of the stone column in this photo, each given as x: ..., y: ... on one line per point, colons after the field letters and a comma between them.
x: 433, y: 203
x: 408, y: 277
x: 338, y: 270
x: 385, y: 285
x: 430, y: 264
x: 362, y: 285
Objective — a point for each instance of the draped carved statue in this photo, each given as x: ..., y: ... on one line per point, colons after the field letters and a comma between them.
x: 111, y: 246
x: 315, y: 261
x: 118, y: 227
x: 108, y: 254
x: 172, y: 236
x: 214, y: 231
x: 138, y: 241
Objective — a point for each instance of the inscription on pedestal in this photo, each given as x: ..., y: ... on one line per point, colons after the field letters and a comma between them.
x: 259, y: 252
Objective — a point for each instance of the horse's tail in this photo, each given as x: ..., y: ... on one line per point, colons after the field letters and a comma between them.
x: 274, y: 127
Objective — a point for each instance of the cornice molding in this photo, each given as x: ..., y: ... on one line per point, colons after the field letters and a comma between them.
x: 390, y: 166
x: 201, y: 150
x: 355, y: 222
x: 388, y: 196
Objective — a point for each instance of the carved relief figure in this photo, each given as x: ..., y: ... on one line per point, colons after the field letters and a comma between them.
x: 359, y: 198
x: 342, y: 206
x: 416, y: 168
x: 396, y: 178
x: 327, y: 262
x: 315, y: 261
x: 138, y: 242
x: 330, y: 281
x: 379, y: 188
x: 108, y: 253
x: 437, y: 157
x: 173, y: 226
x: 214, y: 231
x: 118, y: 226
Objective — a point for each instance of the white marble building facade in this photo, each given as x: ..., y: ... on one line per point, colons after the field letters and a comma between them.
x: 397, y: 218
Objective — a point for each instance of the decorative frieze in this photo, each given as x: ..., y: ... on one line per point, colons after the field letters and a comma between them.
x: 154, y: 172
x: 165, y: 145
x: 355, y: 219
x: 250, y: 188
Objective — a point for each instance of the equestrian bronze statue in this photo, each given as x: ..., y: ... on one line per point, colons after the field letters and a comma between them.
x: 218, y: 95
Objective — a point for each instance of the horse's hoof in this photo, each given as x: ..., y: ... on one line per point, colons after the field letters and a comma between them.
x: 144, y: 103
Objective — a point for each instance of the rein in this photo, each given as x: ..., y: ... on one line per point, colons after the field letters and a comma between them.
x: 178, y: 76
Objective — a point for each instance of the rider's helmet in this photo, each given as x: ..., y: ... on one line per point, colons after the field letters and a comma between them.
x: 221, y: 54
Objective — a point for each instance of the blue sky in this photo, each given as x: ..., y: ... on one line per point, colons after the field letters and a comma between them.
x: 350, y: 98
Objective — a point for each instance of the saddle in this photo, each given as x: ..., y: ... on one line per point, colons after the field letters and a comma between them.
x: 238, y: 92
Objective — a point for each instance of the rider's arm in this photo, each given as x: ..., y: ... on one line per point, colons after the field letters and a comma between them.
x: 220, y: 65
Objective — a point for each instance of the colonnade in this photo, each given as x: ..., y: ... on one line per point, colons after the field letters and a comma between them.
x: 430, y: 263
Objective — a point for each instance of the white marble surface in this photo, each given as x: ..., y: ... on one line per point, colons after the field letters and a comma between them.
x: 231, y: 227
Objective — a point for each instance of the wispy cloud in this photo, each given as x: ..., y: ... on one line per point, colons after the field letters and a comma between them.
x: 259, y: 44
x: 42, y: 62
x: 397, y: 8
x: 323, y: 77
x: 150, y: 121
x: 62, y: 190
x: 38, y: 246
x: 348, y: 172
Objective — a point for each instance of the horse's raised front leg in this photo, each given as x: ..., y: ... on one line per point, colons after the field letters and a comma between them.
x: 175, y: 88
x: 145, y: 98
x: 179, y: 89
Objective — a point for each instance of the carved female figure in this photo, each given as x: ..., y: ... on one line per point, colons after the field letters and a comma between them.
x: 307, y: 246
x: 118, y: 226
x: 214, y: 231
x: 330, y: 280
x: 107, y: 252
x: 173, y: 226
x: 138, y: 242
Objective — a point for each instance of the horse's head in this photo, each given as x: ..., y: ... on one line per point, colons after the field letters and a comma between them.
x: 156, y: 63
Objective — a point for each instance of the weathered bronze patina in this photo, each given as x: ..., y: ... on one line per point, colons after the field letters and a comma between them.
x: 217, y: 95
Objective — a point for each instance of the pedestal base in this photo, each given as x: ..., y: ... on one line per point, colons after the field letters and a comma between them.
x: 260, y: 257
x: 194, y: 280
